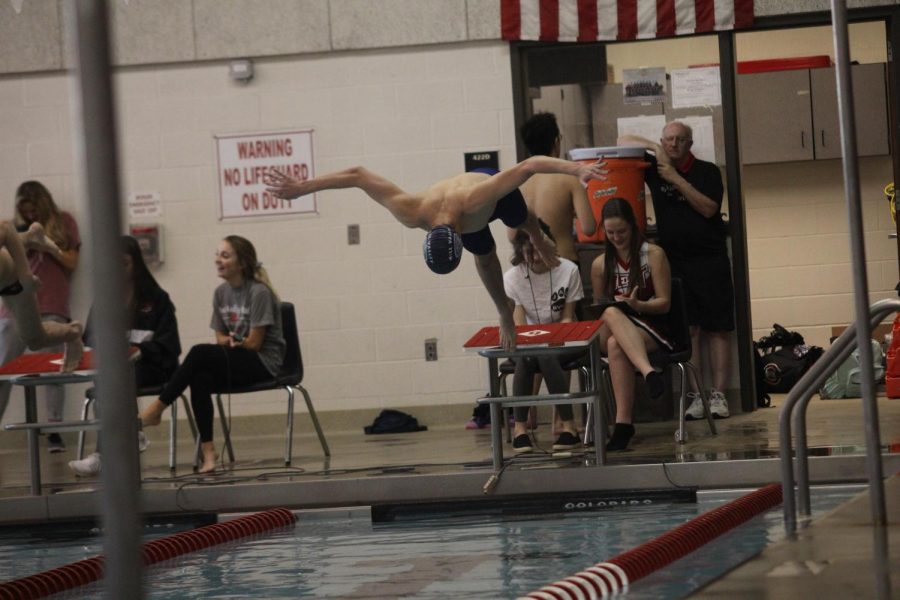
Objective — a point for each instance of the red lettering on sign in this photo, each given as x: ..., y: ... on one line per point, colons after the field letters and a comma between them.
x: 265, y: 149
x: 232, y: 176
x: 271, y: 202
x: 250, y: 201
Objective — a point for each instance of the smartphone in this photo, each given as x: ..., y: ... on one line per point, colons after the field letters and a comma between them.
x: 237, y: 337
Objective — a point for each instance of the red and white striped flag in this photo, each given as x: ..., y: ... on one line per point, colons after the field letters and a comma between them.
x: 592, y: 20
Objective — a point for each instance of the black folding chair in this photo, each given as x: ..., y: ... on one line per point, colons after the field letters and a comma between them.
x: 289, y: 378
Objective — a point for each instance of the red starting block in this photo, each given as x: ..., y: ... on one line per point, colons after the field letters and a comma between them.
x: 578, y: 333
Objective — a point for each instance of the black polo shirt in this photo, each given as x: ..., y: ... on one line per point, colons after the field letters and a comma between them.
x: 684, y: 232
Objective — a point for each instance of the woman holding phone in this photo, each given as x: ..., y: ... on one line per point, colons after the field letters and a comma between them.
x: 633, y: 286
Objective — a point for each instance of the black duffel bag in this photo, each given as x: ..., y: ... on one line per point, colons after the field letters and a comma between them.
x: 782, y: 357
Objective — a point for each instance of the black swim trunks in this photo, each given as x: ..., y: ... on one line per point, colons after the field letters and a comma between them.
x: 12, y: 289
x: 511, y: 209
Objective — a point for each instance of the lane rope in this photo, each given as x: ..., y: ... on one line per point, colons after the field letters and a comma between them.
x: 90, y: 570
x: 611, y: 578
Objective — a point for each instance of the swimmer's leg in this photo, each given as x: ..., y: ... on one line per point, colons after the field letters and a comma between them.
x: 13, y: 260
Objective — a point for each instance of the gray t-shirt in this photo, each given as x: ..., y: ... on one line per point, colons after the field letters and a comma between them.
x: 236, y: 310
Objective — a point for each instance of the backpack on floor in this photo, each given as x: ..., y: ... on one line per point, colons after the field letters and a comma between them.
x: 394, y: 421
x: 783, y: 358
x: 846, y: 381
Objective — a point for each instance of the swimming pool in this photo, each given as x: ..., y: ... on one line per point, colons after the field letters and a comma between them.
x: 343, y: 554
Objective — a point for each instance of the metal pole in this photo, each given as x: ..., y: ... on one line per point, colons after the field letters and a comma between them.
x: 858, y: 251
x: 34, y: 451
x: 115, y: 382
x: 788, y: 498
x: 599, y: 408
x: 497, y: 415
x: 737, y: 222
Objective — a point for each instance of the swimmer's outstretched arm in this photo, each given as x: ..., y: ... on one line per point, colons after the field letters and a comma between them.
x: 491, y: 274
x: 504, y: 182
x: 404, y: 206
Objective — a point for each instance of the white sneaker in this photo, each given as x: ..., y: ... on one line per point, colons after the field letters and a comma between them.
x: 87, y: 466
x: 718, y: 406
x: 695, y: 410
x: 143, y: 442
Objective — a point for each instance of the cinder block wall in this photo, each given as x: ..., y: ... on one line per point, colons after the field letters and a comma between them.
x: 364, y: 311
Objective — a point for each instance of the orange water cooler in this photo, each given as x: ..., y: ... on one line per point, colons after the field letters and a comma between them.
x: 626, y: 166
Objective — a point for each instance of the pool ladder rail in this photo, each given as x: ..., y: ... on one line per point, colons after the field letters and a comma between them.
x: 793, y: 416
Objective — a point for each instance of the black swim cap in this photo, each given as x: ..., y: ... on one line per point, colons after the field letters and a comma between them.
x: 443, y: 249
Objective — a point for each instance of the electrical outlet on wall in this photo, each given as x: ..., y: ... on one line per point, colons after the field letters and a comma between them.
x: 353, y: 234
x: 431, y: 349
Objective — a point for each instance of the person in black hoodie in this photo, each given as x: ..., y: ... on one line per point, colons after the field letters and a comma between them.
x: 154, y: 332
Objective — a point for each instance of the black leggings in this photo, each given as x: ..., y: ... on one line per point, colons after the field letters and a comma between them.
x: 210, y: 369
x: 557, y: 383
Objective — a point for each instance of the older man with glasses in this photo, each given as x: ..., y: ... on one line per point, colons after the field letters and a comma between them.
x: 687, y: 199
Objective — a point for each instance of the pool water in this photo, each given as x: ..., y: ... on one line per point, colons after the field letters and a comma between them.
x: 432, y: 558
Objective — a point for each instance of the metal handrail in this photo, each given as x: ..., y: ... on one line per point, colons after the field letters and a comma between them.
x: 799, y: 397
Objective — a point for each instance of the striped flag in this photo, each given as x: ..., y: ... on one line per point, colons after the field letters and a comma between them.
x: 593, y: 20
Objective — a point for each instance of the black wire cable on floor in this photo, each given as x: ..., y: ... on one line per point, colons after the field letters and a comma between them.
x: 669, y: 479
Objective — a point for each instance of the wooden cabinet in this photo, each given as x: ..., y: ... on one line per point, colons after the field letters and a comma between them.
x: 793, y: 115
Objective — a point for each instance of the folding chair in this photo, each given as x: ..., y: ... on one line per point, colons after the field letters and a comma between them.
x: 289, y: 378
x: 153, y: 390
x: 679, y: 357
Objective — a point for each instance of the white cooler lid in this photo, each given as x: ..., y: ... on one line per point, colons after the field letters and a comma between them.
x: 608, y: 151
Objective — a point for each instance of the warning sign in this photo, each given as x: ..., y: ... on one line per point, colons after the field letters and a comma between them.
x: 243, y: 161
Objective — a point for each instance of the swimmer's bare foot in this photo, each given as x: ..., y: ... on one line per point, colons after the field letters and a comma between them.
x: 209, y: 458
x: 36, y: 239
x: 74, y: 349
x: 152, y: 415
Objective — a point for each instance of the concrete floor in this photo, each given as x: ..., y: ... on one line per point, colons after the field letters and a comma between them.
x: 450, y: 463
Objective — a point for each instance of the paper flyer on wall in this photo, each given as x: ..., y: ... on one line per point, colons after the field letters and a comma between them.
x: 696, y: 87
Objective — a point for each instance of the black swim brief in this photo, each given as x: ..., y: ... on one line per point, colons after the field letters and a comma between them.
x: 12, y: 289
x: 511, y: 209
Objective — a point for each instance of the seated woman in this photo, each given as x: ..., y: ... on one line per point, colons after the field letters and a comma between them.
x: 635, y: 275
x: 18, y: 287
x: 249, y: 344
x: 154, y: 332
x: 542, y: 295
